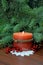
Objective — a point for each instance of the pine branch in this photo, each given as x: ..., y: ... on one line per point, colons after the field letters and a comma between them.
x: 4, y: 4
x: 6, y: 40
x: 38, y: 37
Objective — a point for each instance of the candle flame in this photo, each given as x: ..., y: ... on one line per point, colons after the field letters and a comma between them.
x: 23, y: 32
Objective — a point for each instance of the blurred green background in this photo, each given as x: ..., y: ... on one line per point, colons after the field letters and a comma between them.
x: 18, y: 16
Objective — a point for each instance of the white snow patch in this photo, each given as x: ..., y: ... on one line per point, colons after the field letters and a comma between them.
x: 23, y: 53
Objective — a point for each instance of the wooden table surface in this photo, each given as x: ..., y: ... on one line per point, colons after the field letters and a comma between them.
x: 8, y: 59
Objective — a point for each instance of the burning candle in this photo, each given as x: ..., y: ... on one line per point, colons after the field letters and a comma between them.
x: 22, y: 36
x: 22, y: 40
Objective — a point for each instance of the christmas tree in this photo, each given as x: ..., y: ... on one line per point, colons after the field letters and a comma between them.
x: 20, y: 15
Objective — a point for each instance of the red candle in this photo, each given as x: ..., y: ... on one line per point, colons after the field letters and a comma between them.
x: 22, y: 40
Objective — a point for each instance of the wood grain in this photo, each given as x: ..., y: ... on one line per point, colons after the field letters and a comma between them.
x: 8, y: 59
